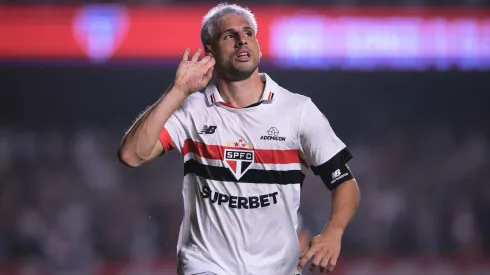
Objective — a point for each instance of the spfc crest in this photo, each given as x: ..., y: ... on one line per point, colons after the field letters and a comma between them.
x: 239, y: 160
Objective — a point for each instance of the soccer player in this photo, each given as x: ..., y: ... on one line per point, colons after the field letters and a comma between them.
x: 246, y: 144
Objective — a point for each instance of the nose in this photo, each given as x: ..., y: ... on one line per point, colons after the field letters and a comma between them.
x: 241, y: 43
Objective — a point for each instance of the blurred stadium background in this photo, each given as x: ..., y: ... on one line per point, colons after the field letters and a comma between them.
x: 405, y: 83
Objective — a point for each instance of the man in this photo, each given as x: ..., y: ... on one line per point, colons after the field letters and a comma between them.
x: 246, y: 144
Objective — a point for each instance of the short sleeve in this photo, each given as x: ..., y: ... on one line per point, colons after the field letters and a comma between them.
x: 324, y: 151
x: 173, y: 134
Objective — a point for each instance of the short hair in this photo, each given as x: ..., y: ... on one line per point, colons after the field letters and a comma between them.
x: 210, y: 20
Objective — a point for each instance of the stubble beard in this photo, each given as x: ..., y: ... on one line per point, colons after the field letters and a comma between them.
x: 239, y: 73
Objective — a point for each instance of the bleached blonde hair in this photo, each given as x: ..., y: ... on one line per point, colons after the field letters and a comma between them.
x: 210, y: 20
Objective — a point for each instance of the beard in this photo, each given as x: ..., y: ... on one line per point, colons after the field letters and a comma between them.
x: 239, y: 72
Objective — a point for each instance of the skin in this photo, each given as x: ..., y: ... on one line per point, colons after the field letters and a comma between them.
x: 325, y: 247
x: 238, y: 80
x: 239, y: 84
x: 140, y: 144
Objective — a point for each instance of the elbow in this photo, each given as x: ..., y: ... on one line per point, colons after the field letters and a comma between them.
x: 128, y: 158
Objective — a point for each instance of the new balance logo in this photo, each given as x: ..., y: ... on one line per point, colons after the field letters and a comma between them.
x: 207, y: 130
x: 337, y: 175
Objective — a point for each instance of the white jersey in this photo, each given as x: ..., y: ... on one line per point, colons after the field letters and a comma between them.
x: 243, y: 172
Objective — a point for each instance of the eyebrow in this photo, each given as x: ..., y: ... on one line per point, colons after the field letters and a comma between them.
x: 233, y: 30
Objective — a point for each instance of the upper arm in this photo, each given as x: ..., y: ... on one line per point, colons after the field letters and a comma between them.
x: 173, y: 133
x: 324, y: 151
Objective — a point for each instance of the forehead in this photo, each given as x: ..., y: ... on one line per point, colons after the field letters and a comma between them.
x: 232, y: 21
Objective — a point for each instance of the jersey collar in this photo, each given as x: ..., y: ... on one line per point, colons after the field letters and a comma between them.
x: 213, y: 96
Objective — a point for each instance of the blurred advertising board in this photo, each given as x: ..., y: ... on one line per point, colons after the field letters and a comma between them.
x: 290, y: 36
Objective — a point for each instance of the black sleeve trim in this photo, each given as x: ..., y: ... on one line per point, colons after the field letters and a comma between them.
x: 335, y: 171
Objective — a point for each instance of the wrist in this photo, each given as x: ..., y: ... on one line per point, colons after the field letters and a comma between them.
x: 332, y: 228
x: 179, y: 92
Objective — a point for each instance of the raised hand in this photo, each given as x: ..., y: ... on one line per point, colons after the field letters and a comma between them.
x: 193, y: 75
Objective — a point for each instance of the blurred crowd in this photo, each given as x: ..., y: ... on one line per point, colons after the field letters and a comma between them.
x: 65, y: 199
x: 249, y: 2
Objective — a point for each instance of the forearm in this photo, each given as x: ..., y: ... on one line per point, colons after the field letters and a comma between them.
x: 345, y: 200
x: 139, y: 142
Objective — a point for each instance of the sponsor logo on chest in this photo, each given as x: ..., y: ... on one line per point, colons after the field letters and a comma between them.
x: 273, y: 134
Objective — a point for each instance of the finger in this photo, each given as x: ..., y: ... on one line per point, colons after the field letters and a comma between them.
x: 185, y: 57
x: 325, y: 263
x: 205, y: 59
x: 208, y: 66
x: 305, y: 258
x: 209, y: 74
x: 333, y: 262
x: 210, y: 63
x: 316, y: 261
x: 196, y: 55
x: 306, y: 249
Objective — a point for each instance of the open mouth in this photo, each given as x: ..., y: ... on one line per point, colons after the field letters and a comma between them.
x: 243, y: 56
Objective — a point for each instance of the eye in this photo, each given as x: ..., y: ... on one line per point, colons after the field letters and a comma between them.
x: 249, y: 33
x: 228, y: 36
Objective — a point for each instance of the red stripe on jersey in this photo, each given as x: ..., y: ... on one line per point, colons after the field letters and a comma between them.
x: 270, y: 96
x: 229, y: 105
x: 213, y: 100
x: 166, y: 140
x: 263, y: 156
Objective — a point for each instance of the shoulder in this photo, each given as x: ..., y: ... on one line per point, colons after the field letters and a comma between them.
x: 292, y: 100
x: 284, y: 97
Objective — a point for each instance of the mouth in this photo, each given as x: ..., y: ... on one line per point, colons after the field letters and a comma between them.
x: 242, y: 55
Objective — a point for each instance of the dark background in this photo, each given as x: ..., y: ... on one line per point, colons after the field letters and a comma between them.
x: 420, y: 142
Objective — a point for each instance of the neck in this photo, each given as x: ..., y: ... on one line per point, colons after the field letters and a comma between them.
x: 241, y: 93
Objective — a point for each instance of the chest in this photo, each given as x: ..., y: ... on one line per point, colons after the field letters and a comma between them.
x: 258, y: 129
